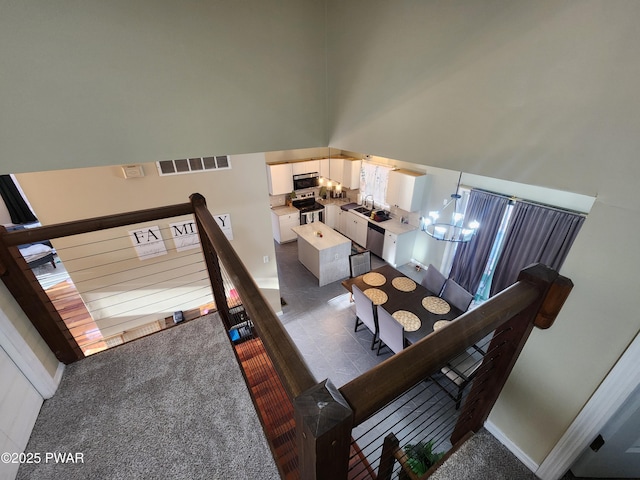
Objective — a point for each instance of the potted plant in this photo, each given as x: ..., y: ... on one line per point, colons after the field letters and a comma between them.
x: 290, y: 197
x: 420, y: 458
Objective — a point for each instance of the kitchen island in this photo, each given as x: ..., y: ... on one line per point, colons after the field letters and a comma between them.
x: 323, y: 251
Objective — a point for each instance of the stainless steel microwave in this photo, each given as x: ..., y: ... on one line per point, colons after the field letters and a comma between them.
x: 306, y: 180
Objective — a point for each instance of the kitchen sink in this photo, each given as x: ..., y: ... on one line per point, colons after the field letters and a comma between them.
x: 364, y: 210
x: 381, y: 215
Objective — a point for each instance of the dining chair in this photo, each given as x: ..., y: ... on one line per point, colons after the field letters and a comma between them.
x: 433, y: 280
x: 365, y: 313
x: 360, y: 263
x: 455, y: 295
x: 462, y: 370
x: 391, y: 332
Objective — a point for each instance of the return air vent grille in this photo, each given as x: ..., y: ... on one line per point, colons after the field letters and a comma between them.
x: 193, y: 165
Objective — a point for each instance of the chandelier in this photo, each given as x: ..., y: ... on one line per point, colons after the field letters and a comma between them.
x: 453, y: 230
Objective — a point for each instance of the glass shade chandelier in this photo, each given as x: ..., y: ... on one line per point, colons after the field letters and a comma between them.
x: 453, y: 229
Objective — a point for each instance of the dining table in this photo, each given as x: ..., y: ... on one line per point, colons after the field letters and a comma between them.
x: 409, y: 302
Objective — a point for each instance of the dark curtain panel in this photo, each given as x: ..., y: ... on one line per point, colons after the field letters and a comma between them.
x: 537, y: 234
x: 18, y: 208
x: 471, y: 258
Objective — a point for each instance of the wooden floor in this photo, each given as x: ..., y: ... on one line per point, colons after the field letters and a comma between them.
x: 85, y: 331
x: 67, y: 301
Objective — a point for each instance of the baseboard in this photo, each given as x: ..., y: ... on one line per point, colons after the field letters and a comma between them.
x: 57, y: 378
x: 512, y: 447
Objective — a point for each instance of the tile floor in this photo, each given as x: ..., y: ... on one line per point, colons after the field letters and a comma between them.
x: 321, y: 321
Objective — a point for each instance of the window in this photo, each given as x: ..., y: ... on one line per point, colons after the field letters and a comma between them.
x: 373, y: 181
x: 193, y: 165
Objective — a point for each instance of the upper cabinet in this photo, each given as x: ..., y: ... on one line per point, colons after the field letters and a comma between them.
x: 280, y: 178
x: 351, y: 177
x: 345, y: 171
x: 307, y: 166
x: 336, y: 169
x: 405, y: 189
x: 325, y: 167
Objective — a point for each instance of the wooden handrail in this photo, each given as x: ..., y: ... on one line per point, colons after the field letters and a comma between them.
x: 376, y: 388
x: 76, y: 227
x: 287, y: 359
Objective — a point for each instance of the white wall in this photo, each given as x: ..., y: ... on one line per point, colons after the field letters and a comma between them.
x: 539, y: 93
x: 97, y: 83
x: 240, y: 192
x: 19, y: 404
x: 29, y: 373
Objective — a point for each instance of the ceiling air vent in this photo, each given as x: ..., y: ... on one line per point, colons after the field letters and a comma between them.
x: 193, y: 165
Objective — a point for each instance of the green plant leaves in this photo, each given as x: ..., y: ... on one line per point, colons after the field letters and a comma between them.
x: 420, y: 457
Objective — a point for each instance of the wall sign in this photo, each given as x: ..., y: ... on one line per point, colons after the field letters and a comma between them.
x: 185, y: 235
x: 224, y: 222
x: 148, y: 242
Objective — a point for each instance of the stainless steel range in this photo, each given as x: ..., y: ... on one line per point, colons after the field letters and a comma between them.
x: 310, y: 210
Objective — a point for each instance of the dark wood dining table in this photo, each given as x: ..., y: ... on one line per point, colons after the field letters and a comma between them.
x: 402, y: 300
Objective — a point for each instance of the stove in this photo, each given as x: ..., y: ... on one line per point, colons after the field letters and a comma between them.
x: 310, y: 210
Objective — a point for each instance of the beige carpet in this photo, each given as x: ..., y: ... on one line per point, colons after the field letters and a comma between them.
x: 169, y: 406
x: 483, y: 457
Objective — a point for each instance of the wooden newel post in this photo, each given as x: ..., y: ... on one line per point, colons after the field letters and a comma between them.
x: 324, y: 421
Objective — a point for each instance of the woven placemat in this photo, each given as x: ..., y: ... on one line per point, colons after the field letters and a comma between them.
x: 408, y: 320
x: 439, y: 324
x: 374, y: 279
x: 436, y: 305
x: 377, y: 296
x: 404, y: 284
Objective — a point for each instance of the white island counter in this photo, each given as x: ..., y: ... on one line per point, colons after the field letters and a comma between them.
x: 323, y: 251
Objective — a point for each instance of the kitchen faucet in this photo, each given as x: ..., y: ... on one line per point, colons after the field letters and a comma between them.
x: 365, y: 201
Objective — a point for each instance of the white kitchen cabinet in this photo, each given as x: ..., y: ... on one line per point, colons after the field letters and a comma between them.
x: 346, y: 172
x: 336, y: 169
x: 405, y: 189
x: 398, y: 248
x: 280, y: 178
x: 356, y: 228
x: 282, y: 224
x: 341, y: 223
x: 307, y: 166
x: 325, y: 167
x: 351, y: 174
x: 331, y: 213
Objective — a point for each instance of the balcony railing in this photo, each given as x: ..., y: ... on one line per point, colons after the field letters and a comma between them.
x: 360, y: 429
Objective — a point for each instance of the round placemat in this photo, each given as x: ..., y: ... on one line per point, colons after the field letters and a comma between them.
x: 408, y: 320
x: 377, y: 296
x: 439, y: 324
x: 404, y: 284
x: 436, y: 305
x: 374, y: 279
